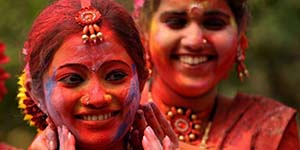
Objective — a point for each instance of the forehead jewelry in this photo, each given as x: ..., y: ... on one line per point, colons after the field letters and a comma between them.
x: 197, y: 5
x: 89, y: 18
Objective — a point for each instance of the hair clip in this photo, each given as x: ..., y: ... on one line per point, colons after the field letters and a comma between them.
x: 88, y: 17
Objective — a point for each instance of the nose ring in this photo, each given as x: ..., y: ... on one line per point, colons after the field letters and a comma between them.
x: 85, y: 100
x: 107, y: 97
x: 204, y: 41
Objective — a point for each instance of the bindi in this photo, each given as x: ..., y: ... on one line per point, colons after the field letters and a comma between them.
x: 197, y: 6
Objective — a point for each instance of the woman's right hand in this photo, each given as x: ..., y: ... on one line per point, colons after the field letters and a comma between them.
x: 47, y: 139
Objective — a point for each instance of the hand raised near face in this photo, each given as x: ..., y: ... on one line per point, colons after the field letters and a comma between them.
x: 47, y: 139
x: 151, y: 130
x: 66, y: 139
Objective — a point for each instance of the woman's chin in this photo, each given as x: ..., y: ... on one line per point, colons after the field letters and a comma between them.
x: 194, y: 88
x: 93, y: 141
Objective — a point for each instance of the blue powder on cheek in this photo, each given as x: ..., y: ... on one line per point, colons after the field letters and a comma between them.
x: 132, y: 97
x: 127, y: 122
x: 134, y: 88
x: 50, y: 84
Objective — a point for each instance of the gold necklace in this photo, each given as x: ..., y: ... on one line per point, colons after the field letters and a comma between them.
x: 186, y: 125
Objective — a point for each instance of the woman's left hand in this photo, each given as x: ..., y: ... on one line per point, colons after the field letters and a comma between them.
x: 152, y: 128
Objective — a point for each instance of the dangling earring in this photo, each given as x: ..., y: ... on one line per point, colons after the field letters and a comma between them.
x: 149, y: 64
x: 241, y: 56
x: 241, y: 67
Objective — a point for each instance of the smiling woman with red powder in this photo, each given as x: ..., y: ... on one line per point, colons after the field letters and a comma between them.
x: 192, y: 46
x: 83, y: 78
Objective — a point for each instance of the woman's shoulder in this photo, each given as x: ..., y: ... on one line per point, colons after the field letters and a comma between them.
x: 265, y: 106
x: 252, y: 120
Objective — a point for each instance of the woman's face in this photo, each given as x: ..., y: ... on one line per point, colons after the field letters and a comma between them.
x: 93, y: 90
x: 193, y: 42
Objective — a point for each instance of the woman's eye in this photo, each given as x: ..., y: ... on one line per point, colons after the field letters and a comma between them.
x: 115, y: 76
x: 214, y: 23
x: 71, y: 80
x: 176, y: 22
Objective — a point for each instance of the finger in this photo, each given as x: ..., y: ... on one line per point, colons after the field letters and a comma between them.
x: 165, y: 125
x: 150, y: 140
x: 51, y: 124
x: 140, y: 121
x: 66, y: 139
x: 71, y: 141
x: 152, y: 121
x: 167, y: 144
x: 136, y: 141
x: 51, y: 138
x: 40, y: 142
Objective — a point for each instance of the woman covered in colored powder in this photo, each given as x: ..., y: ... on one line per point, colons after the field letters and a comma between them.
x: 83, y: 78
x: 192, y: 45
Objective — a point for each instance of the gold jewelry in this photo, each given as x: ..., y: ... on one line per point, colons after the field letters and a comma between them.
x: 85, y: 100
x: 107, y: 97
x: 187, y: 125
x: 198, y: 6
x: 89, y: 18
x: 241, y: 67
x: 203, y: 144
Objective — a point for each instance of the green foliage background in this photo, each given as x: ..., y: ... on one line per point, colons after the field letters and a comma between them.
x: 273, y: 57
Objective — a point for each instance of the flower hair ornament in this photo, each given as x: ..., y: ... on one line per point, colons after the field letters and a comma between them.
x: 32, y: 113
x: 89, y: 18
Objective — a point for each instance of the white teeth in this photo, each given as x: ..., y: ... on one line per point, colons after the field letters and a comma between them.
x: 97, y: 117
x: 193, y: 60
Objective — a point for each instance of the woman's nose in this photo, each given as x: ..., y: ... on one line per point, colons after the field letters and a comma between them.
x: 96, y: 97
x: 193, y: 37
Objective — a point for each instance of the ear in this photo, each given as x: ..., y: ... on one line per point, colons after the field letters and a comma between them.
x: 34, y: 97
x: 243, y: 41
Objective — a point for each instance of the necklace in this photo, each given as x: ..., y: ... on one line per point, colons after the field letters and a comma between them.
x: 187, y: 125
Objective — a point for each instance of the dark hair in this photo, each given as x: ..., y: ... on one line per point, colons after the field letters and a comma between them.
x: 56, y: 22
x: 238, y: 7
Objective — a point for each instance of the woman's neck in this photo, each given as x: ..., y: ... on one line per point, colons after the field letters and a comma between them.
x: 164, y: 96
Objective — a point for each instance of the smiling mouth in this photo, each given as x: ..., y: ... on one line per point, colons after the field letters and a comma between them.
x: 193, y: 60
x: 98, y: 117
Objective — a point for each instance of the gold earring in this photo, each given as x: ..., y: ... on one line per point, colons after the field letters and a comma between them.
x: 241, y: 67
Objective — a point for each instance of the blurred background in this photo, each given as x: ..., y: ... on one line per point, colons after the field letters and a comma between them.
x: 273, y: 57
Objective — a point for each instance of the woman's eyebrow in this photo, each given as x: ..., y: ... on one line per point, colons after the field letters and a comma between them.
x: 216, y: 13
x: 174, y: 13
x: 71, y: 65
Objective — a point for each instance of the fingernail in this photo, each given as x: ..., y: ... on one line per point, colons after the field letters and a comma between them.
x: 145, y: 140
x: 64, y: 128
x: 59, y: 129
x: 69, y: 135
x: 167, y: 139
x: 149, y: 130
x: 51, y: 145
